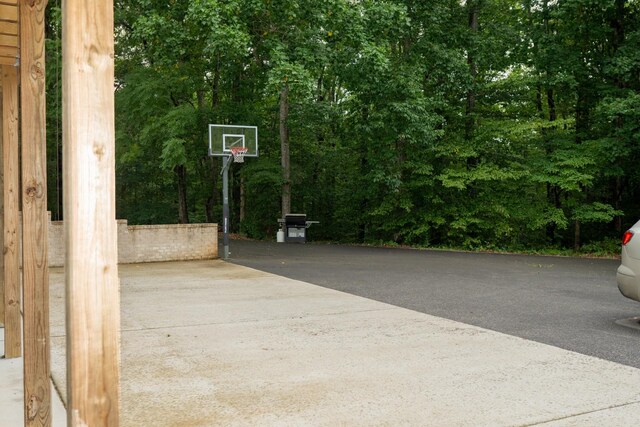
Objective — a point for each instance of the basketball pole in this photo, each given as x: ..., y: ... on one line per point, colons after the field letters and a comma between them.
x: 228, y: 142
x: 226, y: 164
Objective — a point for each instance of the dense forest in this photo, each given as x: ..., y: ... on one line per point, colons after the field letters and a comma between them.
x: 479, y: 124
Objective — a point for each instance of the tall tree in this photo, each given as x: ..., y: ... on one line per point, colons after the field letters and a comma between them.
x: 478, y: 123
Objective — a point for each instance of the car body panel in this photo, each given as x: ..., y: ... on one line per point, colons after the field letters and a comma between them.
x: 628, y: 274
x: 632, y: 249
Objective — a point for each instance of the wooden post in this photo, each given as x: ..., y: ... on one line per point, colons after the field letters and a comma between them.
x: 37, y: 385
x: 2, y: 300
x: 8, y: 56
x: 10, y: 193
x: 91, y: 260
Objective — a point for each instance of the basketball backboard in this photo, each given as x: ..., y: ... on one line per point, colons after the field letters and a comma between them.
x: 222, y: 138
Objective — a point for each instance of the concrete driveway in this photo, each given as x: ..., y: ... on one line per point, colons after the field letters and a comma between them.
x: 211, y: 343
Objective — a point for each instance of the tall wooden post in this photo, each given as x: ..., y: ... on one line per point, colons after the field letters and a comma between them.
x: 35, y: 266
x: 2, y: 300
x: 10, y: 194
x: 92, y: 287
x: 9, y: 45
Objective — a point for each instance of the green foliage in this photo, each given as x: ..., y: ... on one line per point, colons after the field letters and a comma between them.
x: 602, y: 248
x: 595, y: 212
x: 408, y: 125
x: 262, y: 180
x: 173, y: 154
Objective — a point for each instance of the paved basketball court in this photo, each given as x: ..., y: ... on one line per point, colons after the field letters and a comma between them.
x: 211, y: 343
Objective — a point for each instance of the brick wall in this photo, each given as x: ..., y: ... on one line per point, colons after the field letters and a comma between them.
x: 149, y: 243
x: 56, y: 243
x: 178, y: 242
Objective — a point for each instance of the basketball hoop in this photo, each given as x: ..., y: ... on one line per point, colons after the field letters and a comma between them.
x: 238, y: 153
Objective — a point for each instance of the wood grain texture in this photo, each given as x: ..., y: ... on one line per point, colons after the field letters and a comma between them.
x: 92, y: 286
x: 9, y: 40
x: 7, y: 60
x: 8, y: 51
x: 10, y: 192
x: 37, y: 388
x: 9, y: 12
x: 7, y: 27
x: 2, y: 113
x: 9, y: 34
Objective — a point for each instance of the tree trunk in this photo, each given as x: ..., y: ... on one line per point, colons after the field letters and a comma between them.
x: 242, y: 200
x: 183, y: 213
x: 576, y: 239
x: 617, y: 24
x: 473, y: 71
x: 583, y: 110
x: 364, y: 202
x: 618, y: 203
x: 212, y: 200
x: 213, y: 165
x: 284, y: 151
x: 539, y: 100
x: 215, y: 90
x: 320, y: 87
x: 551, y: 103
x: 553, y: 196
x: 200, y: 97
x: 59, y: 184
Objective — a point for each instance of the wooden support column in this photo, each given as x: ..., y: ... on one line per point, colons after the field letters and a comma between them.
x: 3, y: 302
x: 8, y: 56
x: 10, y: 193
x: 37, y: 385
x: 2, y: 294
x: 92, y: 286
x: 2, y: 299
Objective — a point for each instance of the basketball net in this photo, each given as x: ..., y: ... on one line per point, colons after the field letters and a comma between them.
x: 238, y: 153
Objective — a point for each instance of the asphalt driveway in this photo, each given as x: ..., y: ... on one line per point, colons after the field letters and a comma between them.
x: 569, y: 303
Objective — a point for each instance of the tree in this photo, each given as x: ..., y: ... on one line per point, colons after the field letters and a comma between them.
x: 481, y: 123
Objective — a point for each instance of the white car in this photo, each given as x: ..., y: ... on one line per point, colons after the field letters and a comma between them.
x: 628, y: 275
